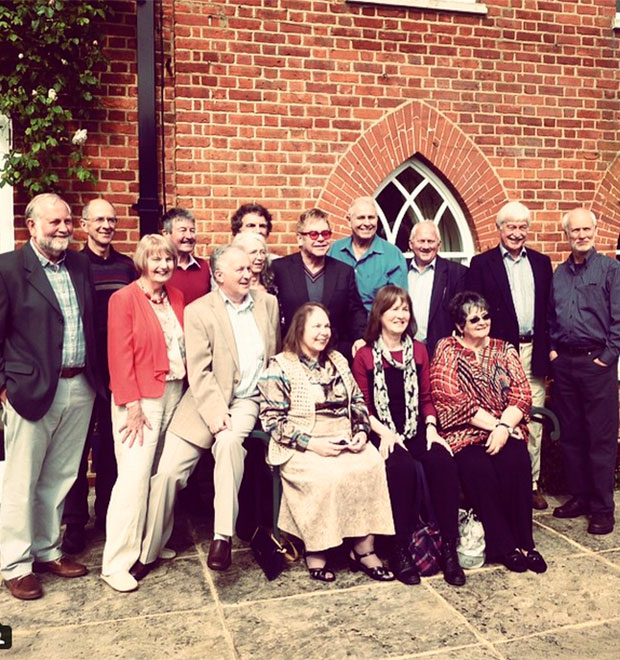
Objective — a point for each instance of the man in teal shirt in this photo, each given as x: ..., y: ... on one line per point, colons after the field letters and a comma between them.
x: 375, y: 261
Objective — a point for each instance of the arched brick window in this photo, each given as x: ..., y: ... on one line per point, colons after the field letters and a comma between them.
x: 414, y: 192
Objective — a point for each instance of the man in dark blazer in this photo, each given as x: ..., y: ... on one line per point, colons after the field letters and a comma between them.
x: 516, y: 282
x: 48, y: 380
x: 310, y: 275
x: 432, y: 281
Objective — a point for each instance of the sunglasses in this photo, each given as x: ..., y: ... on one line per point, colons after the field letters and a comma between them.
x: 476, y: 319
x: 326, y: 233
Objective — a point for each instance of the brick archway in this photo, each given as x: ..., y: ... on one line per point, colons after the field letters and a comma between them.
x: 417, y: 128
x: 606, y: 206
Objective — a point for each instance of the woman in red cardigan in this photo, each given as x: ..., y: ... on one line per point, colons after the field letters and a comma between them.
x: 146, y: 356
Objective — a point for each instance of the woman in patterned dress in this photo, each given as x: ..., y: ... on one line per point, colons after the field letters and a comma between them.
x: 483, y: 401
x: 334, y: 484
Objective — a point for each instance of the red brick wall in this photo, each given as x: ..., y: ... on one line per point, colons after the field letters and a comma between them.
x: 298, y: 102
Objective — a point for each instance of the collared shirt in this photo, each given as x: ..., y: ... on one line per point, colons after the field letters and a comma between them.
x: 521, y: 281
x: 250, y: 345
x: 73, y: 342
x: 383, y: 263
x: 585, y: 305
x: 192, y: 263
x: 420, y: 285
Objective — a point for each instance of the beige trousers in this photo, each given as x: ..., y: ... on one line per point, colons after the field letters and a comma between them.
x: 538, y: 399
x: 177, y: 462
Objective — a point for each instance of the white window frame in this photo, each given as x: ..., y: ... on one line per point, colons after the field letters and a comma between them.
x: 463, y: 6
x: 450, y: 202
x: 7, y: 225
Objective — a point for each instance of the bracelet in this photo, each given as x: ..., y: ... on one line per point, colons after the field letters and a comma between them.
x: 506, y: 426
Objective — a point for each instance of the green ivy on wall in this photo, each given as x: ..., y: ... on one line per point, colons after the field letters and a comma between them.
x: 51, y: 55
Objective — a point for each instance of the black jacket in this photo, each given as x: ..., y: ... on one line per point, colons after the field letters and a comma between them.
x: 340, y: 296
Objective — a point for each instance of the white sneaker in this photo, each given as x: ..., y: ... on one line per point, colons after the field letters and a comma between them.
x: 121, y: 581
x: 167, y: 553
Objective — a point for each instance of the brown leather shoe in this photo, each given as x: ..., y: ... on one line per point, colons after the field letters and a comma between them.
x: 63, y: 567
x: 219, y: 555
x: 26, y: 587
x: 538, y: 501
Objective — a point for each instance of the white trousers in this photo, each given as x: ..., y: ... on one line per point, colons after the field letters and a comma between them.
x: 128, y: 502
x: 538, y: 399
x: 177, y: 462
x: 42, y: 460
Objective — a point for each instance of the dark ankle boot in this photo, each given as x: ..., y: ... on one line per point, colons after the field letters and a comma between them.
x: 402, y: 564
x: 452, y: 571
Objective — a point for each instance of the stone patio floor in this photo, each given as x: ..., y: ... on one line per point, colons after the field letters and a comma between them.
x: 184, y: 610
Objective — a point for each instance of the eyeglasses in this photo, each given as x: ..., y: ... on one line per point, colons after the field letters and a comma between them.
x: 476, y: 319
x: 111, y: 220
x: 326, y: 233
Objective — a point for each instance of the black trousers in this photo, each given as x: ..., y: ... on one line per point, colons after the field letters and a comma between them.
x: 101, y: 441
x: 443, y: 484
x: 404, y: 485
x: 585, y: 399
x: 499, y: 489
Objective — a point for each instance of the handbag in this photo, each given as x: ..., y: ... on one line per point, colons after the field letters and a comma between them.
x: 270, y: 554
x: 425, y: 544
x: 471, y: 546
x: 425, y: 549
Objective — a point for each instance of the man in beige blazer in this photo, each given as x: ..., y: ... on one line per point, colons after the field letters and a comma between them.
x: 230, y: 334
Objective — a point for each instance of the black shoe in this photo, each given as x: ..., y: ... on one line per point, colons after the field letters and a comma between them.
x: 535, y: 561
x: 601, y: 523
x: 140, y: 570
x: 575, y: 507
x: 379, y: 573
x: 74, y: 540
x: 515, y: 561
x: 452, y: 572
x: 320, y: 573
x: 402, y: 564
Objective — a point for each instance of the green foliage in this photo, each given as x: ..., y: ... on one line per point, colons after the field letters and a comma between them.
x: 49, y: 63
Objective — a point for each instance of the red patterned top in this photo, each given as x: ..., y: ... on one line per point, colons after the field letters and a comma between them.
x: 461, y: 384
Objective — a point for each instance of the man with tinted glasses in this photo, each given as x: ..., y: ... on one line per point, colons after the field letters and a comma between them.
x: 584, y: 332
x: 111, y: 271
x: 375, y: 261
x: 311, y: 275
x: 515, y: 280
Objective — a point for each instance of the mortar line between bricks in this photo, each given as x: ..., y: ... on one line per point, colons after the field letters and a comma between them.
x: 477, y: 634
x: 216, y: 598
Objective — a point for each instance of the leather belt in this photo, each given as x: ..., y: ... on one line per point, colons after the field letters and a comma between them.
x: 579, y: 350
x: 526, y: 339
x: 71, y: 372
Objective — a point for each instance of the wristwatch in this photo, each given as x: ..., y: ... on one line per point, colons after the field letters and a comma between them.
x: 506, y: 426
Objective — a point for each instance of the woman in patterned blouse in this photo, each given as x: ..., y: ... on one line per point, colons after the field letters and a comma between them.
x: 483, y: 402
x: 333, y: 480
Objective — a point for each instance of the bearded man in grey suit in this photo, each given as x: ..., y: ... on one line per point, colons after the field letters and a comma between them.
x: 230, y: 335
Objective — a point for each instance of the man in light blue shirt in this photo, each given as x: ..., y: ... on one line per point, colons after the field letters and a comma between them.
x: 375, y: 261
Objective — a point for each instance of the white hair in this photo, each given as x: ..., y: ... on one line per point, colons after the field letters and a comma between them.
x: 414, y: 229
x: 514, y: 211
x: 566, y: 217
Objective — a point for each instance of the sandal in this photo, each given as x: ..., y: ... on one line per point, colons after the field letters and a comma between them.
x: 379, y: 573
x: 321, y: 573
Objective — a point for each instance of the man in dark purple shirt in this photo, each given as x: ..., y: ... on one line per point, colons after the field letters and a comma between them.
x: 111, y: 271
x: 585, y: 342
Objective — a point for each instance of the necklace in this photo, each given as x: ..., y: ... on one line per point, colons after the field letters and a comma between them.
x: 155, y: 300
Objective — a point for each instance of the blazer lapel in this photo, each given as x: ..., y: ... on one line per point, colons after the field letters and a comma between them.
x: 37, y: 277
x: 329, y: 283
x: 500, y: 276
x: 221, y: 315
x: 78, y: 284
x: 440, y: 285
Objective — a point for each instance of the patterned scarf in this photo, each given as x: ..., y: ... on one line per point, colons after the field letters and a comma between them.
x: 381, y: 397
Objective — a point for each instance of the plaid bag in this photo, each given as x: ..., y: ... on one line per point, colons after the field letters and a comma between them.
x: 425, y: 548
